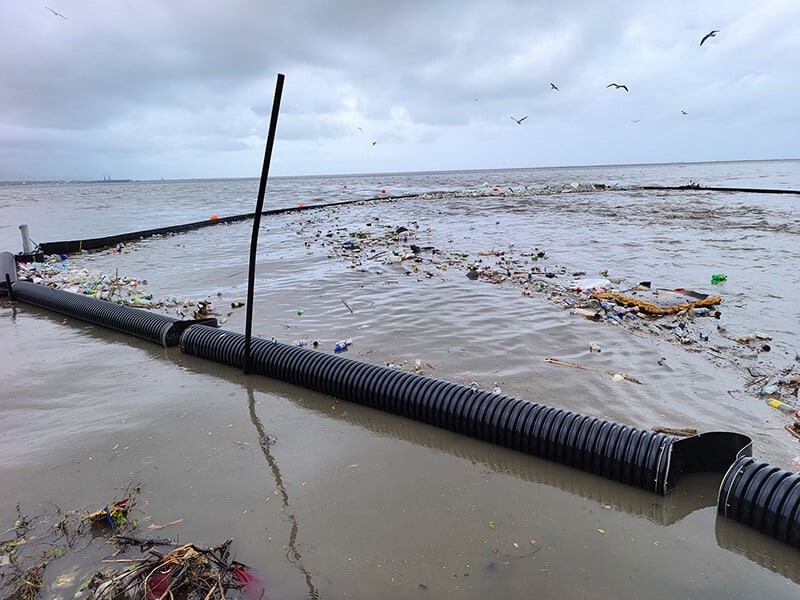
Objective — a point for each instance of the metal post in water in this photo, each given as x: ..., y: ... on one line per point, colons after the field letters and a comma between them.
x: 273, y: 123
x: 27, y: 245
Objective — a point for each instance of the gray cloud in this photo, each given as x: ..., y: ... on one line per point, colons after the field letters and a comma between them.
x: 184, y: 89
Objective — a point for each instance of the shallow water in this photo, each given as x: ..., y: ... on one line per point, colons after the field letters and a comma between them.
x: 352, y: 502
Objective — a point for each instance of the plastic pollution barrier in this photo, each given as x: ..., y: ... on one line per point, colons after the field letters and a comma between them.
x: 153, y: 327
x: 764, y: 497
x: 644, y: 459
x: 754, y: 493
x: 73, y: 246
x: 8, y: 273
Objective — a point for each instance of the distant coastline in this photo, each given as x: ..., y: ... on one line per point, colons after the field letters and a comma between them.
x: 404, y: 173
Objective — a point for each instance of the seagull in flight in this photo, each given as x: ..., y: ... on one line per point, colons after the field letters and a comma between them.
x: 519, y: 121
x: 683, y: 112
x: 57, y: 14
x: 618, y: 85
x: 553, y: 86
x: 710, y: 34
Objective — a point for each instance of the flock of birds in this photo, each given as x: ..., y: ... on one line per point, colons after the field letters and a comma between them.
x: 621, y: 86
x: 553, y: 86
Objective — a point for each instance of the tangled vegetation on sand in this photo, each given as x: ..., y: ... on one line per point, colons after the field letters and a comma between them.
x: 46, y: 557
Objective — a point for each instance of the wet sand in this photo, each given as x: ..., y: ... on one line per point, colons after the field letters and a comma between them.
x: 345, y: 501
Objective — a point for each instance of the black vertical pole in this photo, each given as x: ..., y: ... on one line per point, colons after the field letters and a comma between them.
x: 273, y: 123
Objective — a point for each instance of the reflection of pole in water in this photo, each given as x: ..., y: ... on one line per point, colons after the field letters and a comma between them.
x: 293, y: 554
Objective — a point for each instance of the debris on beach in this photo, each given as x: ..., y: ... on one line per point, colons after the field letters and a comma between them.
x: 41, y: 560
x: 114, y: 514
x: 188, y: 571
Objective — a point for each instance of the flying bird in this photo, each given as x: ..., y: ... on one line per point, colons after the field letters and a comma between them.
x: 519, y: 121
x: 683, y: 112
x: 710, y: 34
x: 618, y: 85
x: 553, y: 86
x: 56, y: 13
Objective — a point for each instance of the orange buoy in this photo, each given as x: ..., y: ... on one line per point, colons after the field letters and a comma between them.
x: 383, y: 191
x: 301, y: 205
x: 214, y: 217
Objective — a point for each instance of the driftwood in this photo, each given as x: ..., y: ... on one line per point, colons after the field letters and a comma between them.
x: 566, y: 363
x: 684, y: 432
x: 794, y: 430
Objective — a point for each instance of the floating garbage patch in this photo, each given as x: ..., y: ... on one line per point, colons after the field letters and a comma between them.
x: 650, y: 460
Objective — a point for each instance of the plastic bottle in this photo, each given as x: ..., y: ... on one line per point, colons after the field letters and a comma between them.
x: 782, y: 406
x: 718, y: 277
x: 769, y: 390
x: 594, y: 348
x: 703, y: 335
x: 342, y: 346
x: 789, y: 380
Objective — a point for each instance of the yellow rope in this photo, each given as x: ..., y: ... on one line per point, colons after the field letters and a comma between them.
x: 657, y: 310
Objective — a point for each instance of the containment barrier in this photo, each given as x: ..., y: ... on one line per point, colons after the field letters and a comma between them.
x: 100, y: 243
x: 754, y: 493
x: 153, y: 327
x: 764, y: 497
x: 8, y: 273
x: 644, y: 459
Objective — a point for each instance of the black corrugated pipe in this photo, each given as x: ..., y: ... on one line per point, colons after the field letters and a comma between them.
x: 754, y: 493
x: 8, y: 273
x: 763, y: 497
x: 637, y: 457
x: 147, y: 325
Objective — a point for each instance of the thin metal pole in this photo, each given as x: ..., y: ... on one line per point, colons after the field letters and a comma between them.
x: 273, y: 123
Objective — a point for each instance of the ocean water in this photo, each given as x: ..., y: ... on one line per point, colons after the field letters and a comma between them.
x: 351, y: 502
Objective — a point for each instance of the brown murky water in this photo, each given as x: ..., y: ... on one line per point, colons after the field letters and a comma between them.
x: 330, y: 499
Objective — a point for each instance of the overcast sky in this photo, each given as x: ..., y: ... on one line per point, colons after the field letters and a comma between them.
x: 150, y: 89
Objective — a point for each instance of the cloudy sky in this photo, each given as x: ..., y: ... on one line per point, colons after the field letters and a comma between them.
x: 146, y: 89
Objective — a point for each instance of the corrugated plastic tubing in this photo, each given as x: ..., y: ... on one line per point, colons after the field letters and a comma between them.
x: 637, y: 457
x: 147, y: 325
x: 764, y: 497
x: 754, y: 493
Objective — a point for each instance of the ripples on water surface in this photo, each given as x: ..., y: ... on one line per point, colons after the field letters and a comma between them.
x: 374, y: 505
